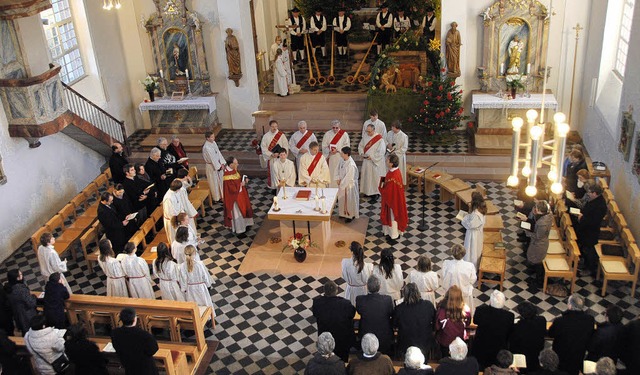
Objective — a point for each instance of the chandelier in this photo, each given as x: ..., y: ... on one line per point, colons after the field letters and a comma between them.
x: 110, y: 4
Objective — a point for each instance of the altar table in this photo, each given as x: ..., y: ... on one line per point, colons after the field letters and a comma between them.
x: 167, y: 115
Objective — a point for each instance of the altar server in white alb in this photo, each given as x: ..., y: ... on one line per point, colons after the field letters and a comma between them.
x: 397, y: 144
x: 195, y: 280
x: 280, y: 75
x: 165, y: 269
x: 215, y: 165
x: 112, y: 268
x: 269, y: 140
x: 378, y: 125
x: 348, y: 192
x: 332, y: 142
x: 137, y: 271
x: 176, y: 200
x: 459, y: 272
x: 50, y: 261
x: 314, y: 167
x: 372, y: 148
x: 283, y: 171
x: 300, y: 141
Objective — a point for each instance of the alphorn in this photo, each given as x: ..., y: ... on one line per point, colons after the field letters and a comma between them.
x: 331, y: 79
x: 321, y: 79
x: 312, y: 81
x: 363, y: 79
x: 352, y: 79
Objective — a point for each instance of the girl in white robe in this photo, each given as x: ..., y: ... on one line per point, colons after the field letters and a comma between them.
x: 195, y: 280
x: 280, y: 81
x: 474, y: 223
x: 137, y: 272
x: 355, y: 271
x: 166, y: 270
x: 348, y: 190
x: 459, y: 272
x: 389, y: 274
x: 426, y: 280
x: 180, y: 243
x: 112, y: 268
x: 175, y: 201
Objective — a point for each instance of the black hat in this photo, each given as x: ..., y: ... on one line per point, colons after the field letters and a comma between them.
x: 295, y: 10
x: 342, y: 9
x: 384, y: 5
x: 429, y: 9
x: 318, y: 9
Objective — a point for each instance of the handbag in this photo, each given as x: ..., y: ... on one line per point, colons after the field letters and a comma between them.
x: 59, y: 365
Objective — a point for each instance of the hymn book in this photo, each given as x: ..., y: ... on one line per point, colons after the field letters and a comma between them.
x: 303, y: 195
x: 574, y: 211
x: 519, y: 361
x: 525, y: 225
x: 131, y: 216
x: 518, y: 202
x: 461, y: 214
x: 182, y: 160
x: 521, y: 216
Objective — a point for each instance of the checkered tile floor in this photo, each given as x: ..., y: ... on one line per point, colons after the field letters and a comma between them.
x: 264, y: 322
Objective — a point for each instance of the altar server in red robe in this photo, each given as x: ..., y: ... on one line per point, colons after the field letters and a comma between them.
x: 393, y: 215
x: 238, y: 214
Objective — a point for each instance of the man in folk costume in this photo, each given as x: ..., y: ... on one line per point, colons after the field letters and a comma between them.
x: 372, y: 148
x: 347, y: 181
x: 215, y: 165
x: 297, y: 26
x: 317, y: 28
x: 384, y: 23
x: 300, y: 141
x: 238, y: 214
x: 378, y: 125
x: 401, y: 23
x: 314, y: 167
x: 283, y: 171
x: 393, y: 213
x: 269, y: 140
x: 397, y: 144
x: 341, y: 27
x: 428, y: 28
x: 332, y: 142
x: 175, y: 201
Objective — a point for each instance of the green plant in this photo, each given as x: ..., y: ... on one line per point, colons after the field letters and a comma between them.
x: 515, y: 81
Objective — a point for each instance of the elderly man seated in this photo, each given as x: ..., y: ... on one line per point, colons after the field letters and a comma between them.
x: 414, y: 363
x: 324, y: 362
x: 370, y: 361
x: 458, y: 363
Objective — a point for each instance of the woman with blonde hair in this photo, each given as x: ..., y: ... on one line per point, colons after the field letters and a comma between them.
x: 355, y: 271
x: 426, y: 279
x: 166, y: 270
x: 112, y: 268
x: 195, y: 280
x: 459, y: 272
x: 452, y: 318
x: 474, y: 223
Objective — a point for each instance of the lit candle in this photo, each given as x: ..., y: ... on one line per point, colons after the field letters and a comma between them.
x: 502, y: 68
x: 324, y: 205
x: 161, y: 74
x: 275, y: 203
x: 186, y: 71
x: 317, y: 202
x: 528, y: 68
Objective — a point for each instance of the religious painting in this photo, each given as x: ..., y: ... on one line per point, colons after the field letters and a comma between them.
x: 513, y: 51
x: 627, y: 129
x: 176, y: 45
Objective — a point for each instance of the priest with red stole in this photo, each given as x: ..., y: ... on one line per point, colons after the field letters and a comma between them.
x: 238, y: 214
x: 393, y: 214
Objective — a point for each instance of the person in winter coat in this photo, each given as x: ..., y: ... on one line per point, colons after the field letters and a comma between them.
x: 23, y: 303
x: 46, y: 344
x: 55, y: 293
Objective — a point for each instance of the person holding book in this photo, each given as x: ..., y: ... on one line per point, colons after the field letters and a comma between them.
x: 539, y: 239
x: 474, y: 224
x: 176, y: 149
x: 393, y: 211
x: 238, y: 213
x: 114, y: 227
x: 314, y: 168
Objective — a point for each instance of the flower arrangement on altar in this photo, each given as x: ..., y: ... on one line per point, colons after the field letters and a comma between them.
x: 299, y: 241
x: 150, y: 83
x: 516, y: 81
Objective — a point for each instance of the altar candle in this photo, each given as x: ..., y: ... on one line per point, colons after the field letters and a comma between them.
x: 528, y: 68
x: 186, y: 71
x: 317, y: 202
x: 161, y: 74
x: 502, y: 68
x: 275, y: 202
x: 324, y: 205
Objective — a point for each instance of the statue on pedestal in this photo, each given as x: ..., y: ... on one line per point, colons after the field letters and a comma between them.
x: 453, y: 43
x: 232, y: 47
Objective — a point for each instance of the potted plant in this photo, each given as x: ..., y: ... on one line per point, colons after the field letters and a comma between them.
x: 299, y: 243
x: 515, y: 82
x: 150, y: 85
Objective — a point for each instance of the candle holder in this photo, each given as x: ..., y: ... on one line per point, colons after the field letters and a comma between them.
x: 526, y: 94
x: 284, y: 192
x: 277, y: 209
x: 164, y: 89
x: 189, y: 95
x: 317, y: 208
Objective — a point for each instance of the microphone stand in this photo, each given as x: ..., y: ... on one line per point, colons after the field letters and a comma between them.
x: 423, y: 225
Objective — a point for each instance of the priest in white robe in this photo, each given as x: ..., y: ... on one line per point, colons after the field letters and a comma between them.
x: 378, y: 124
x: 372, y: 148
x: 175, y: 201
x: 280, y: 76
x: 215, y: 165
x: 397, y: 144
x: 283, y: 171
x: 137, y: 271
x: 269, y: 140
x: 300, y: 141
x: 314, y: 167
x: 347, y: 182
x: 332, y: 142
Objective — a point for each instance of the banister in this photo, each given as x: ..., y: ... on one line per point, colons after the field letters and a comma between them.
x: 91, y: 103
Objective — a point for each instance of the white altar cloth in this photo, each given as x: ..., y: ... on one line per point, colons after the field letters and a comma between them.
x: 490, y: 101
x: 200, y: 102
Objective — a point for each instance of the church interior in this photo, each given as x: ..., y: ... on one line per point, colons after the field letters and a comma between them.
x: 73, y: 77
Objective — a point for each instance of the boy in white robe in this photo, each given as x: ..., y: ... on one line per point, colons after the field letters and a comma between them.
x: 137, y: 272
x: 378, y: 124
x: 215, y: 165
x: 280, y: 75
x: 348, y: 192
x: 397, y: 144
x: 175, y: 201
x: 332, y: 142
x: 314, y: 167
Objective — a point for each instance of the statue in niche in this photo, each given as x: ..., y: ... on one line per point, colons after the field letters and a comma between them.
x: 515, y: 49
x: 232, y: 47
x: 453, y: 43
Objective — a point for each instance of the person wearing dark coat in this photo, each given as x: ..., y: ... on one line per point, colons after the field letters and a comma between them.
x: 22, y: 302
x: 415, y: 320
x: 324, y: 362
x: 122, y: 205
x: 116, y: 162
x: 571, y: 334
x: 158, y: 172
x: 335, y: 315
x: 176, y: 149
x: 114, y: 228
x: 169, y: 160
x: 55, y: 293
x: 458, y: 363
x: 588, y: 228
x: 376, y: 314
x: 504, y: 360
x: 630, y: 346
x: 605, y: 341
x: 494, y: 327
x: 527, y: 336
x: 548, y: 360
x: 135, y: 347
x: 8, y: 359
x: 83, y: 353
x: 6, y: 316
x: 577, y: 163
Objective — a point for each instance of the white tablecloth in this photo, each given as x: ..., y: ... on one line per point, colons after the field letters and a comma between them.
x: 490, y: 101
x: 200, y: 102
x: 292, y: 206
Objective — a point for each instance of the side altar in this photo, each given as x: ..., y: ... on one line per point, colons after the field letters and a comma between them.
x: 195, y: 114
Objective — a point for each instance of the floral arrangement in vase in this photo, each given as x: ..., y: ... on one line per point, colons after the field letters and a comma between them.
x: 150, y: 85
x: 299, y: 243
x: 515, y: 82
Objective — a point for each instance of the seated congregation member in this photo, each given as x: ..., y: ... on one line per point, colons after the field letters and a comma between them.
x: 577, y: 163
x: 459, y: 272
x: 504, y: 360
x: 283, y: 171
x: 84, y: 353
x: 548, y: 360
x: 581, y: 202
x: 117, y: 160
x: 46, y: 344
x: 370, y: 361
x: 158, y: 172
x: 348, y: 191
x: 335, y: 315
x: 114, y: 227
x: 452, y: 319
x: 50, y: 261
x: 54, y: 296
x: 457, y: 363
x: 605, y: 341
x: 180, y: 243
x: 588, y: 228
x: 165, y: 269
x: 527, y: 335
x: 238, y: 213
x: 571, y: 333
x: 606, y: 366
x: 122, y: 204
x: 21, y: 301
x: 414, y: 363
x: 389, y: 274
x: 494, y: 327
x: 112, y: 268
x: 393, y: 209
x: 415, y: 320
x: 474, y: 224
x: 372, y: 149
x: 144, y: 181
x: 168, y: 159
x: 324, y: 362
x: 175, y: 201
x: 313, y: 168
x: 376, y: 314
x: 425, y: 279
x: 539, y: 240
x: 137, y: 272
x: 630, y: 346
x: 355, y: 272
x: 215, y: 165
x: 195, y: 280
x: 134, y: 346
x: 176, y: 149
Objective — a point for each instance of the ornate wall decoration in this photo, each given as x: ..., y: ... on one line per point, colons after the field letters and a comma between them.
x: 627, y: 128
